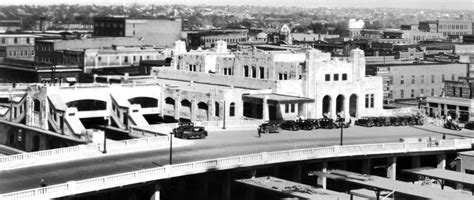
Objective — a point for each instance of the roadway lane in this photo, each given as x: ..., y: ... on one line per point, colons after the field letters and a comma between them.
x: 218, y: 144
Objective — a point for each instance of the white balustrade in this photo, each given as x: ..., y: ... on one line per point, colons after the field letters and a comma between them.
x: 168, y: 171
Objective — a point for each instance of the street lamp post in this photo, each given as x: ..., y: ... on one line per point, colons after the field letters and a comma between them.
x: 341, y: 124
x: 105, y: 138
x: 171, y: 148
x: 223, y: 127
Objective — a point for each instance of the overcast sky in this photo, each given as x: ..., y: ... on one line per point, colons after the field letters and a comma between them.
x: 432, y: 4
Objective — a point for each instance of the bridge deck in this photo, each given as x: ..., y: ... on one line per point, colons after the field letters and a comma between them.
x: 448, y: 175
x: 380, y: 183
x: 293, y: 189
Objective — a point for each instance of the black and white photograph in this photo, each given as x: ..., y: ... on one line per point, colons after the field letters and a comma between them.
x: 236, y: 100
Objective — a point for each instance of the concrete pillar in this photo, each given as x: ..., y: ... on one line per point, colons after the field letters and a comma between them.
x: 457, y: 112
x: 441, y: 161
x: 250, y: 191
x: 322, y: 180
x: 193, y: 110
x: 297, y: 173
x: 265, y: 108
x: 210, y: 110
x: 225, y: 186
x: 366, y: 166
x: 415, y: 162
x: 439, y: 109
x: 392, y: 168
x: 177, y: 108
x: 204, y: 187
x: 346, y: 108
x: 156, y: 194
x: 332, y: 108
x: 222, y: 106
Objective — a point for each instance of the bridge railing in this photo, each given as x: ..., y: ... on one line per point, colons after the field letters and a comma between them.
x: 116, y: 180
x: 12, y: 161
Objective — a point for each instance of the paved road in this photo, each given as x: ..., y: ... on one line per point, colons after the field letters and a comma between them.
x: 218, y: 144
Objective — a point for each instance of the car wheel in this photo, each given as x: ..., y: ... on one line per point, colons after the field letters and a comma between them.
x: 202, y: 136
x: 267, y: 131
x: 293, y: 128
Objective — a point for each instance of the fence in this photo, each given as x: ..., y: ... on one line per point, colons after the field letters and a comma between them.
x: 117, y: 180
x: 26, y: 158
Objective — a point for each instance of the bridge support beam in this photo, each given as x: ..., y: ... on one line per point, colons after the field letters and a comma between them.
x: 441, y: 161
x: 225, y: 186
x: 415, y: 161
x: 297, y: 173
x: 204, y: 186
x: 392, y: 168
x: 156, y: 194
x: 323, y: 180
x: 366, y: 166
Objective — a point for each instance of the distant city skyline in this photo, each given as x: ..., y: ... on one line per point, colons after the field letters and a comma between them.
x: 417, y: 4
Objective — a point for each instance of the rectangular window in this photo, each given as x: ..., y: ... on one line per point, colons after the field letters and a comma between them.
x: 366, y: 100
x: 422, y: 79
x: 344, y: 77
x: 287, y: 108
x: 402, y: 95
x: 254, y: 72
x: 371, y: 100
x: 412, y: 79
x: 262, y: 72
x: 328, y: 77
x: 292, y: 108
x: 432, y: 78
x: 125, y: 59
x: 412, y: 93
x: 453, y: 77
x: 402, y: 81
x: 246, y: 71
x: 422, y: 91
x: 336, y: 77
x: 432, y: 91
x: 190, y: 68
x: 280, y: 76
x: 285, y: 76
x: 442, y: 77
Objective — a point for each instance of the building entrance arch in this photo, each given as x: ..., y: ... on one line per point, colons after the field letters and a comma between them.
x: 340, y: 99
x: 353, y: 105
x: 326, y: 105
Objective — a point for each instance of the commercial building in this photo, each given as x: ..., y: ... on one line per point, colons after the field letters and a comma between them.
x: 17, y: 46
x: 8, y: 26
x: 206, y: 39
x: 160, y: 33
x: 284, y: 83
x: 447, y: 27
x: 410, y: 81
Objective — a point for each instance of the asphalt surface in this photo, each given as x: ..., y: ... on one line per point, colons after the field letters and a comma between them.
x: 218, y: 144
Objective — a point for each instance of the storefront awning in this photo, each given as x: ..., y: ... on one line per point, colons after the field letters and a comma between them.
x: 275, y: 98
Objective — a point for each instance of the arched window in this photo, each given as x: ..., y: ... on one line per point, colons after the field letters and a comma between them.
x: 232, y: 109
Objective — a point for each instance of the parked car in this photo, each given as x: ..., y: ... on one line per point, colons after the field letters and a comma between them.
x: 365, y: 121
x: 269, y: 127
x: 469, y: 125
x: 306, y: 124
x: 395, y: 121
x: 187, y: 132
x: 314, y: 123
x: 327, y: 123
x: 344, y: 123
x: 453, y: 125
x: 419, y: 119
x: 379, y: 121
x: 289, y: 125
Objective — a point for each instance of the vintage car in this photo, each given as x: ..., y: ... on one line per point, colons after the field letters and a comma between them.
x: 469, y: 125
x: 327, y: 123
x: 188, y: 130
x: 289, y: 125
x: 269, y: 127
x: 306, y: 124
x: 453, y: 125
x: 365, y: 121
